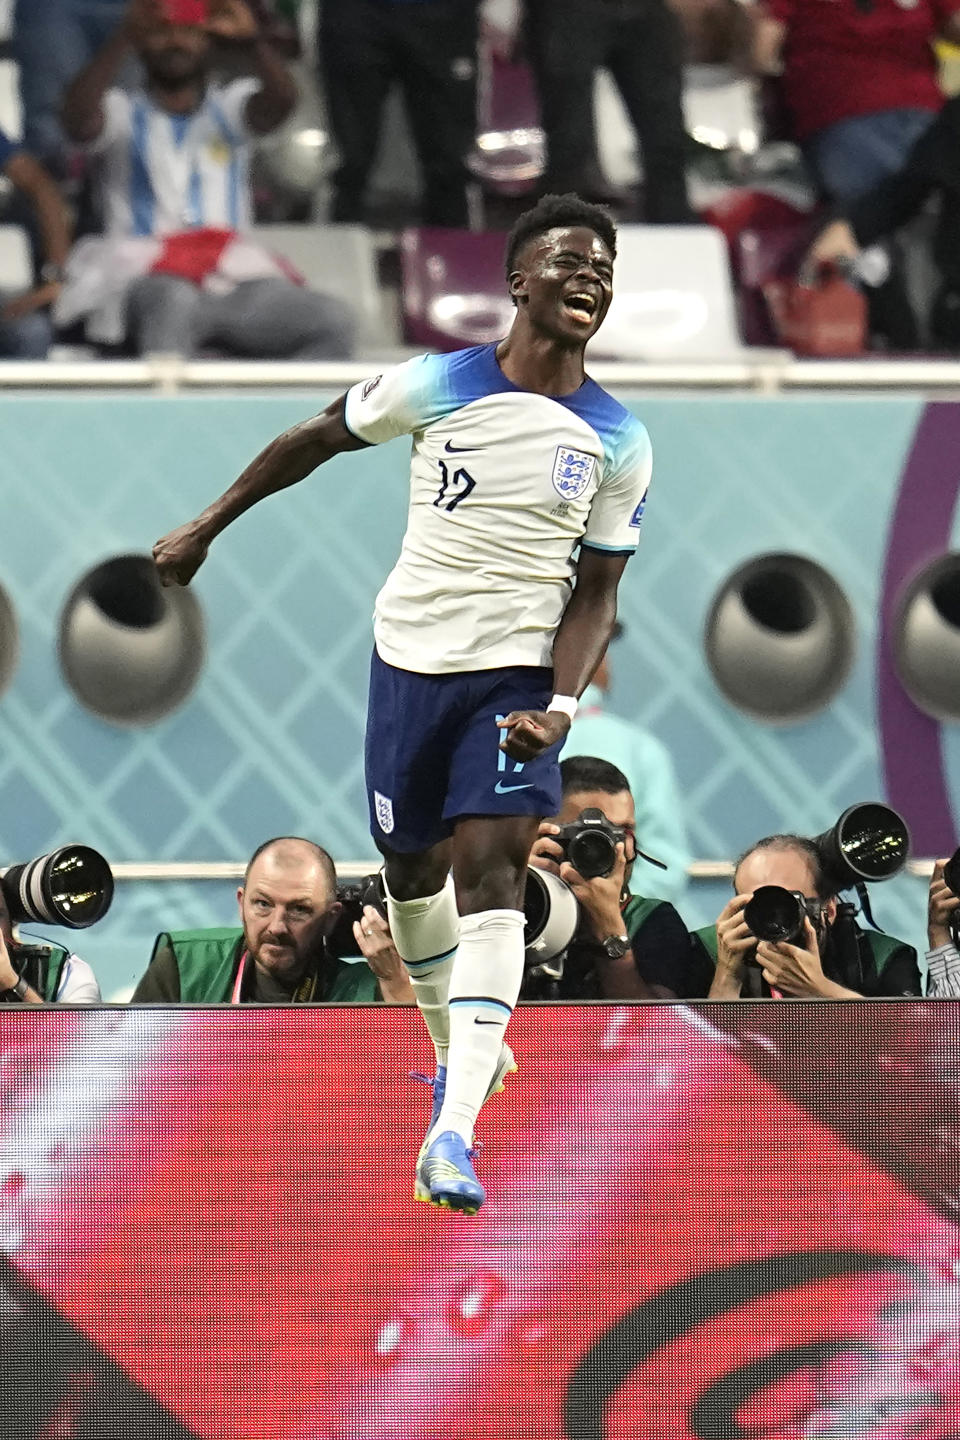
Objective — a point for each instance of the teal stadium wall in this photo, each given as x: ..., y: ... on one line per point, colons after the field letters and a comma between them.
x: 271, y: 739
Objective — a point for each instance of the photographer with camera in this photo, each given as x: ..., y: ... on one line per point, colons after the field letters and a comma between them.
x: 943, y: 924
x: 626, y: 947
x: 289, y: 907
x: 785, y: 933
x: 39, y: 972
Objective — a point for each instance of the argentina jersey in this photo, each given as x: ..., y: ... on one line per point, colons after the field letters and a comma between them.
x: 504, y: 486
x: 159, y: 173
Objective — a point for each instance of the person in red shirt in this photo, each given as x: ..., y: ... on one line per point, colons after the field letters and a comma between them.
x: 858, y: 78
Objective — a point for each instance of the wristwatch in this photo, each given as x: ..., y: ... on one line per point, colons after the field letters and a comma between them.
x: 20, y: 989
x: 615, y: 946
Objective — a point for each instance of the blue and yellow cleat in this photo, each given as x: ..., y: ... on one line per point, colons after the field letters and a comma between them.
x: 448, y: 1177
x: 506, y: 1065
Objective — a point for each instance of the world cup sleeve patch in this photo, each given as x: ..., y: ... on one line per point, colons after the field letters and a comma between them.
x: 572, y: 472
x: 637, y: 515
x: 384, y: 809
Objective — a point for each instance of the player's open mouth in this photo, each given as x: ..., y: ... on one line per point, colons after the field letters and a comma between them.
x: 581, y: 305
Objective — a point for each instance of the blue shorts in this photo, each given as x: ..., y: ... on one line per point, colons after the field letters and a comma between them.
x: 432, y: 751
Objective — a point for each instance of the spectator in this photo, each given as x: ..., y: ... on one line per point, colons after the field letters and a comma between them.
x: 41, y: 973
x: 429, y: 48
x: 52, y: 41
x: 627, y: 947
x: 651, y: 778
x: 932, y: 167
x: 288, y: 906
x: 859, y: 80
x: 835, y: 959
x: 25, y: 328
x: 175, y: 199
x: 943, y: 959
x: 641, y: 43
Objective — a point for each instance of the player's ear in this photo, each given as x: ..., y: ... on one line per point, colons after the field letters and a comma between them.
x: 517, y: 283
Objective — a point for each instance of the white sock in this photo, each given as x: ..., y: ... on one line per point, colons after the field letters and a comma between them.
x: 425, y: 932
x: 484, y: 987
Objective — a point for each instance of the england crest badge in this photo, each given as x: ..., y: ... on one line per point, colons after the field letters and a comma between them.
x: 384, y: 809
x: 572, y: 472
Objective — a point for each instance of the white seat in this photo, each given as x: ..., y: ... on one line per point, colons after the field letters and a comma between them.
x: 339, y: 260
x: 16, y: 266
x: 673, y: 297
x: 11, y: 112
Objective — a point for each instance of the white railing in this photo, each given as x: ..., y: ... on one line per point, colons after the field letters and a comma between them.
x: 165, y: 870
x: 764, y: 372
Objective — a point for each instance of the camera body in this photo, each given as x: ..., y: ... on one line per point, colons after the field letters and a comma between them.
x: 353, y: 896
x: 590, y: 843
x: 776, y: 914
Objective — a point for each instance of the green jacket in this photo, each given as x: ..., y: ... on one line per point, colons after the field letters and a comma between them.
x: 881, y: 965
x: 204, y: 965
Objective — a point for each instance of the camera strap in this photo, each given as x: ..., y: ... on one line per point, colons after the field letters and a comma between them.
x: 650, y: 859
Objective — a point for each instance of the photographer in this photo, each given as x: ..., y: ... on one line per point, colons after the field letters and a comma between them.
x: 288, y: 909
x: 943, y: 958
x: 42, y: 973
x: 831, y: 958
x: 627, y: 947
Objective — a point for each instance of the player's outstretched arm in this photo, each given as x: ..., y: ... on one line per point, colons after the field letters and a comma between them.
x: 582, y: 637
x: 289, y: 458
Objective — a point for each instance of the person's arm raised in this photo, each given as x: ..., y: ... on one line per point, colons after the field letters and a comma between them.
x: 289, y: 458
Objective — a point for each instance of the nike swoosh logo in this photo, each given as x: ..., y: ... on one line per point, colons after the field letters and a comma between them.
x: 502, y: 789
x: 478, y: 1021
x: 458, y: 449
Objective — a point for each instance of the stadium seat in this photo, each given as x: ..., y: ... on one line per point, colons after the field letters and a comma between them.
x: 454, y: 292
x: 673, y: 298
x: 16, y: 266
x: 510, y: 151
x: 342, y: 260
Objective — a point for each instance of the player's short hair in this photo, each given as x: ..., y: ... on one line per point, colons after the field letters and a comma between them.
x: 804, y: 847
x: 326, y: 863
x: 553, y: 212
x: 588, y: 772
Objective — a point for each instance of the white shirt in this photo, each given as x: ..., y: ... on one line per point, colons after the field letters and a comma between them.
x: 161, y: 174
x: 78, y: 984
x: 504, y: 486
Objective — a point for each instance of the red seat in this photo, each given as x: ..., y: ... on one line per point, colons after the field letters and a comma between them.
x: 454, y: 292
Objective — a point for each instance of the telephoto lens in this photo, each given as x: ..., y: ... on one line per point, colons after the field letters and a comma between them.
x: 72, y: 886
x: 775, y: 914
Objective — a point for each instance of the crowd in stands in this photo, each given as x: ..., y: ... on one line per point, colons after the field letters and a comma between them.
x: 141, y: 117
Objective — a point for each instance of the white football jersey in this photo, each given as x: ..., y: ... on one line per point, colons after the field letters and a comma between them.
x: 504, y: 486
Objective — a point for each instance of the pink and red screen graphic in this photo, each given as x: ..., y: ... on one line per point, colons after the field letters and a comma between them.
x: 704, y: 1223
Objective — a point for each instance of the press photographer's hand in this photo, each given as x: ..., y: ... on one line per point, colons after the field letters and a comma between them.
x: 797, y: 970
x: 599, y: 897
x: 735, y: 943
x: 547, y: 853
x: 8, y: 974
x: 942, y: 907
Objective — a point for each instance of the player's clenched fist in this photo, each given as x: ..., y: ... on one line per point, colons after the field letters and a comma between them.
x: 179, y: 555
x: 530, y: 732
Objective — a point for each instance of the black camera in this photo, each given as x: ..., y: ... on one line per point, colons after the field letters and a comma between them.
x: 72, y: 886
x: 590, y: 843
x: 353, y: 896
x: 776, y: 914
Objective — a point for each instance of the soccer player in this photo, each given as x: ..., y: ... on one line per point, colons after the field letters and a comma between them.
x: 527, y: 487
